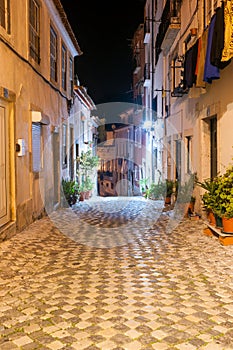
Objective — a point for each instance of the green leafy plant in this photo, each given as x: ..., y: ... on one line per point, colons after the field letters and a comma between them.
x: 170, y: 186
x: 144, y: 184
x: 70, y: 190
x: 87, y: 162
x: 225, y: 193
x: 210, y: 198
x: 156, y: 191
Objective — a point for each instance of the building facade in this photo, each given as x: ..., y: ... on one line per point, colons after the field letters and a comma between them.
x: 193, y: 68
x: 37, y: 50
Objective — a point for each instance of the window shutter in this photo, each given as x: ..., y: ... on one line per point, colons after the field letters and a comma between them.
x: 36, y: 147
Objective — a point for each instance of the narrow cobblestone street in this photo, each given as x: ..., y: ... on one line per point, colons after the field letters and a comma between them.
x: 132, y: 289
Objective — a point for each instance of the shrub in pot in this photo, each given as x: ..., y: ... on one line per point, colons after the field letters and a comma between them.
x: 70, y: 191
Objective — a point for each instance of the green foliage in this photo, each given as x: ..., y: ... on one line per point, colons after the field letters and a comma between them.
x: 170, y: 185
x: 70, y: 190
x: 219, y: 193
x: 225, y: 193
x: 210, y: 198
x: 87, y: 164
x: 156, y: 191
x: 144, y: 184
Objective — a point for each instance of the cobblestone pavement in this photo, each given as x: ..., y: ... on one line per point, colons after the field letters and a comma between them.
x: 161, y: 289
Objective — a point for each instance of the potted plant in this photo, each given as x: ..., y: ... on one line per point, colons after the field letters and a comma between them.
x: 210, y: 199
x: 87, y: 162
x: 225, y: 198
x: 144, y: 185
x: 156, y: 191
x: 170, y: 187
x: 70, y: 191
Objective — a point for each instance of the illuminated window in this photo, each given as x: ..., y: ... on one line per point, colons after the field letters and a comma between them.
x: 63, y: 67
x: 53, y: 55
x: 34, y: 30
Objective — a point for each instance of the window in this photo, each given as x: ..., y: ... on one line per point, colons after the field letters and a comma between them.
x: 5, y: 14
x: 188, y: 140
x: 34, y: 30
x: 63, y: 67
x: 71, y: 76
x: 53, y: 55
x: 36, y: 147
x: 64, y: 146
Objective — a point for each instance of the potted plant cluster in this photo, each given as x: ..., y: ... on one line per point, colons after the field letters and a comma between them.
x: 218, y: 198
x: 70, y: 190
x: 87, y: 162
x: 171, y: 188
x: 156, y: 191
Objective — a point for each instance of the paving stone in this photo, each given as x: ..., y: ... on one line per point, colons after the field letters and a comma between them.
x: 143, y: 288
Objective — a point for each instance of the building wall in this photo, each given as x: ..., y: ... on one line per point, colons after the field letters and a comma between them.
x: 190, y: 114
x: 26, y: 88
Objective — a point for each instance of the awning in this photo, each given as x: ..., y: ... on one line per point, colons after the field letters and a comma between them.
x: 39, y: 117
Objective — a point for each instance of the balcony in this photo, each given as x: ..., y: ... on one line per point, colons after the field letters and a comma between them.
x: 169, y: 27
x: 146, y: 32
x: 147, y: 81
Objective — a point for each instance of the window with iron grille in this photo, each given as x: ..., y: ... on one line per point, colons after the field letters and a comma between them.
x: 63, y: 67
x: 34, y: 30
x: 5, y: 15
x: 71, y: 76
x: 53, y: 54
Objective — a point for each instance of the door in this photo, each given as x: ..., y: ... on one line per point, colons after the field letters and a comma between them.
x: 213, y: 147
x: 4, y: 168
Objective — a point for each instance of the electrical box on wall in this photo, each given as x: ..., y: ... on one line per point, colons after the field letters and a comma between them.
x: 20, y: 147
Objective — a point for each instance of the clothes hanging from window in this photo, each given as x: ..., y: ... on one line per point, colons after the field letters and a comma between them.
x: 210, y: 72
x: 218, y: 40
x: 190, y: 66
x: 201, y: 60
x: 228, y: 33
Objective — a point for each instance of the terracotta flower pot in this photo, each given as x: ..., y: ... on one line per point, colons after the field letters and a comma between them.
x: 211, y: 218
x: 227, y: 225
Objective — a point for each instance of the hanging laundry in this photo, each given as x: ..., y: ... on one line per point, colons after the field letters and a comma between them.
x: 190, y: 66
x: 210, y: 72
x: 201, y: 54
x: 228, y: 34
x: 218, y: 40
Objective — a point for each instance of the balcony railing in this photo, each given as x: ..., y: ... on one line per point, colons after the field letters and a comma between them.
x: 169, y: 26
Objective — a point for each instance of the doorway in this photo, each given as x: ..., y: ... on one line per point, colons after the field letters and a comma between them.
x: 4, y: 167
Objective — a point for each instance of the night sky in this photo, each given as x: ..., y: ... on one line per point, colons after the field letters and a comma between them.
x: 104, y: 30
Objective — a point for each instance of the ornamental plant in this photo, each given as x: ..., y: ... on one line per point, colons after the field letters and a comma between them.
x: 225, y: 193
